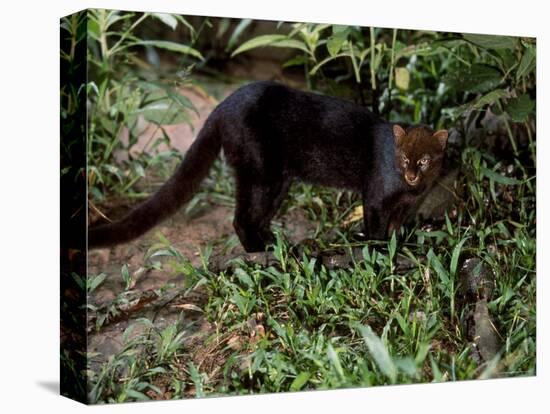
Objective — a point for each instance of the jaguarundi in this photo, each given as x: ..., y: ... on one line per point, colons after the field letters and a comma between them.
x: 272, y: 134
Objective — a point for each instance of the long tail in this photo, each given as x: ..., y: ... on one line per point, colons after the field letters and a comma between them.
x: 179, y: 189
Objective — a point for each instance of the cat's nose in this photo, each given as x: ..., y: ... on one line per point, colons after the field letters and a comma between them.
x: 412, y: 178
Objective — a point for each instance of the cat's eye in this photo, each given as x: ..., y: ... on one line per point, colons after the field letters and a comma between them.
x: 424, y: 162
x: 404, y: 159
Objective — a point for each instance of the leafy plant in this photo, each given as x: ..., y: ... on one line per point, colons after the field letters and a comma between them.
x: 502, y: 79
x: 118, y: 94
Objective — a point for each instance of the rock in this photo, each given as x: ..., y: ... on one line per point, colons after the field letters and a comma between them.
x: 476, y: 279
x: 486, y: 339
x: 440, y: 198
x: 475, y: 287
x: 419, y: 316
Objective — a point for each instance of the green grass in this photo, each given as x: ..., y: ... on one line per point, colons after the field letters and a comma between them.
x: 299, y: 325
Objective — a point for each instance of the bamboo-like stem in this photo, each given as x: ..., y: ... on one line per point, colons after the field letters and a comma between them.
x: 509, y: 131
x: 392, y: 64
x: 392, y: 59
x: 372, y: 59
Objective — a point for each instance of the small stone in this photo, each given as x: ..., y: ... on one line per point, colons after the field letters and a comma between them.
x: 419, y: 316
x: 476, y: 279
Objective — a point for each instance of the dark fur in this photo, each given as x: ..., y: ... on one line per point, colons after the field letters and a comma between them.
x: 272, y: 134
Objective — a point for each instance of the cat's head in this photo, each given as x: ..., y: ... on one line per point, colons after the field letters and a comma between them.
x: 419, y: 153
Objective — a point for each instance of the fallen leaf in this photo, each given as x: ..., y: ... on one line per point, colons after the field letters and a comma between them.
x: 188, y: 306
x: 355, y: 215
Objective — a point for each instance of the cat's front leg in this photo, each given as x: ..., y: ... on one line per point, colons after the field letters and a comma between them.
x: 394, y: 226
x: 395, y: 221
x: 375, y: 219
x: 402, y: 207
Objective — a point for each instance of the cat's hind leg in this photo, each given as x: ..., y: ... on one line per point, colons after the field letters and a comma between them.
x: 257, y: 201
x: 272, y: 201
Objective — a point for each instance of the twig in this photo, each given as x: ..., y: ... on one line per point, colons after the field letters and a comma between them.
x: 98, y: 211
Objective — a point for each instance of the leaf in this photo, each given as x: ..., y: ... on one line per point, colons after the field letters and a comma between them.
x: 259, y: 41
x: 402, y: 78
x: 159, y: 90
x: 138, y: 168
x: 244, y: 277
x: 520, y: 108
x: 335, y: 42
x: 300, y: 381
x: 94, y: 282
x: 276, y: 326
x: 243, y: 304
x: 508, y: 58
x: 126, y: 276
x: 355, y: 215
x: 328, y: 59
x: 156, y: 370
x: 172, y: 46
x: 456, y: 255
x: 527, y: 64
x: 113, y: 16
x: 163, y: 112
x: 183, y: 101
x: 447, y: 43
x: 406, y: 365
x: 421, y: 49
x: 167, y: 19
x: 491, y: 369
x: 197, y: 379
x: 137, y: 395
x: 243, y: 24
x: 93, y: 29
x: 291, y: 43
x: 379, y: 352
x: 79, y: 280
x: 498, y: 178
x: 333, y: 356
x: 295, y: 61
x: 491, y: 41
x: 223, y: 25
x: 439, y: 269
x: 489, y: 98
x: 184, y: 22
x: 338, y: 28
x: 476, y: 78
x: 422, y: 352
x: 392, y: 246
x: 188, y: 306
x: 162, y: 252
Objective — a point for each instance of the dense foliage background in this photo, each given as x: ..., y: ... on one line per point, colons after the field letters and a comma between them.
x: 453, y: 298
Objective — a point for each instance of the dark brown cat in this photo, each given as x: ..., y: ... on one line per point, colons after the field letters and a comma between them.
x: 272, y: 134
x: 418, y: 156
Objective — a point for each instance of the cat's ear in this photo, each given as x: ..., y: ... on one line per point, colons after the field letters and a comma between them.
x: 398, y: 134
x: 442, y: 136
